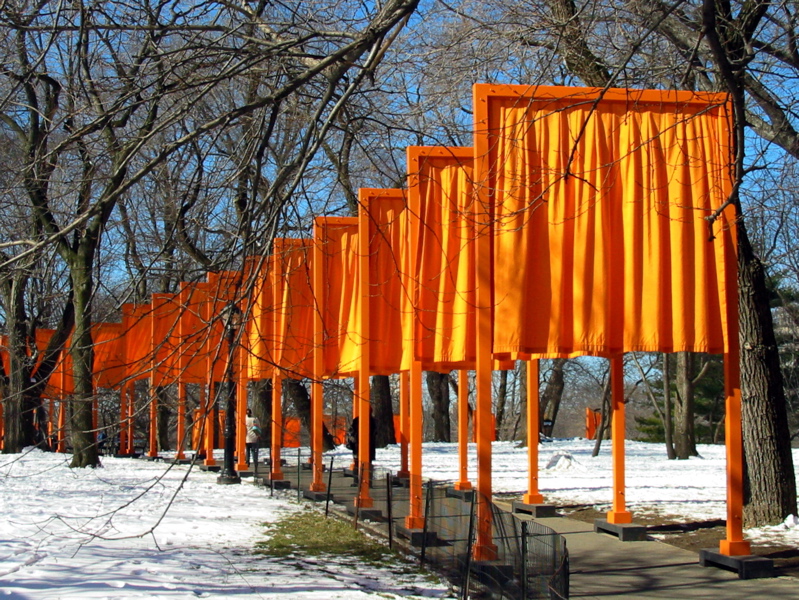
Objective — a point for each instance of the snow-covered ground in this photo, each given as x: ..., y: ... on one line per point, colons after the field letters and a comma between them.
x: 137, y: 529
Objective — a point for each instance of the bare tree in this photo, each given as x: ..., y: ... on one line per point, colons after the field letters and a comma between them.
x: 98, y: 105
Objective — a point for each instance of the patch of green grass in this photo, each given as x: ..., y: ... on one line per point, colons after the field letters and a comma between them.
x: 310, y: 533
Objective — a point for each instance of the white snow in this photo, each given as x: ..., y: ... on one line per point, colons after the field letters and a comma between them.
x: 135, y: 529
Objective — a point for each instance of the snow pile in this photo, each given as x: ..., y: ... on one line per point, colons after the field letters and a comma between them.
x: 562, y: 461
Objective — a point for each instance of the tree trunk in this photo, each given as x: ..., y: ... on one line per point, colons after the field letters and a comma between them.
x: 84, y: 446
x: 502, y: 401
x: 667, y: 409
x: 262, y: 408
x: 298, y: 394
x: 685, y: 439
x: 604, y: 422
x: 382, y: 411
x: 553, y: 394
x: 770, y: 482
x: 438, y: 388
x: 164, y: 414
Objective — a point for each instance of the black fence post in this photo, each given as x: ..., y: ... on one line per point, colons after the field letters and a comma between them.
x: 523, y: 549
x: 426, y: 519
x: 468, y: 566
x: 299, y: 474
x: 388, y: 511
x: 329, y: 485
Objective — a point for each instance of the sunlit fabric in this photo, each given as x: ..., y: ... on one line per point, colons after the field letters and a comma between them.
x: 193, y: 351
x: 387, y: 263
x: 109, y: 354
x: 337, y: 239
x: 601, y: 240
x: 136, y: 322
x: 260, y: 325
x: 293, y: 307
x: 164, y: 319
x: 440, y: 195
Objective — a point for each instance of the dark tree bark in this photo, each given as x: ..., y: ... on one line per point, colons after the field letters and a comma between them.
x: 604, y: 422
x: 164, y: 413
x: 382, y: 411
x: 262, y: 408
x: 438, y: 388
x: 770, y: 483
x: 671, y: 453
x: 502, y: 400
x: 685, y: 440
x: 298, y: 395
x: 553, y: 394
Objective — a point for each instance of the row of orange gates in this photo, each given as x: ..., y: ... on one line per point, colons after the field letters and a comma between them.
x: 581, y: 222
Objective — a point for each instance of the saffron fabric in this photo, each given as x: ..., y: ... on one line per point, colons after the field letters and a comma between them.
x: 337, y: 239
x: 599, y: 205
x: 109, y: 354
x: 293, y: 307
x: 443, y: 272
x: 388, y: 246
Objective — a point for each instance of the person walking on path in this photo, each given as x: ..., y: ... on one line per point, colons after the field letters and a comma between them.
x: 253, y: 438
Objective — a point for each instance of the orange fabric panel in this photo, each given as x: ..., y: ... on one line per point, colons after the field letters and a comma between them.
x: 164, y: 322
x: 260, y: 324
x: 440, y: 193
x: 136, y: 323
x: 387, y: 258
x: 223, y: 287
x: 291, y: 432
x: 337, y: 237
x: 293, y: 304
x: 600, y: 239
x: 193, y: 350
x: 109, y: 354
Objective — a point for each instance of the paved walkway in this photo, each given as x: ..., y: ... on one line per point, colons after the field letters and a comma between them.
x: 604, y: 568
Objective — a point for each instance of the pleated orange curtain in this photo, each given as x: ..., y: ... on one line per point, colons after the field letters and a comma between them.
x: 165, y: 318
x: 193, y: 350
x: 337, y: 245
x: 293, y: 307
x: 223, y: 289
x: 260, y: 324
x: 109, y: 355
x: 601, y: 243
x: 440, y: 195
x: 136, y: 325
x: 387, y: 257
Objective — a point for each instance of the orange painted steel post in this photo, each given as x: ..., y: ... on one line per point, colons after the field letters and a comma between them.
x: 533, y: 496
x: 317, y: 390
x: 277, y: 426
x: 404, y: 422
x: 734, y: 545
x: 484, y: 548
x: 364, y: 499
x: 619, y: 514
x: 415, y: 520
x: 62, y: 426
x: 180, y: 455
x: 463, y: 482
